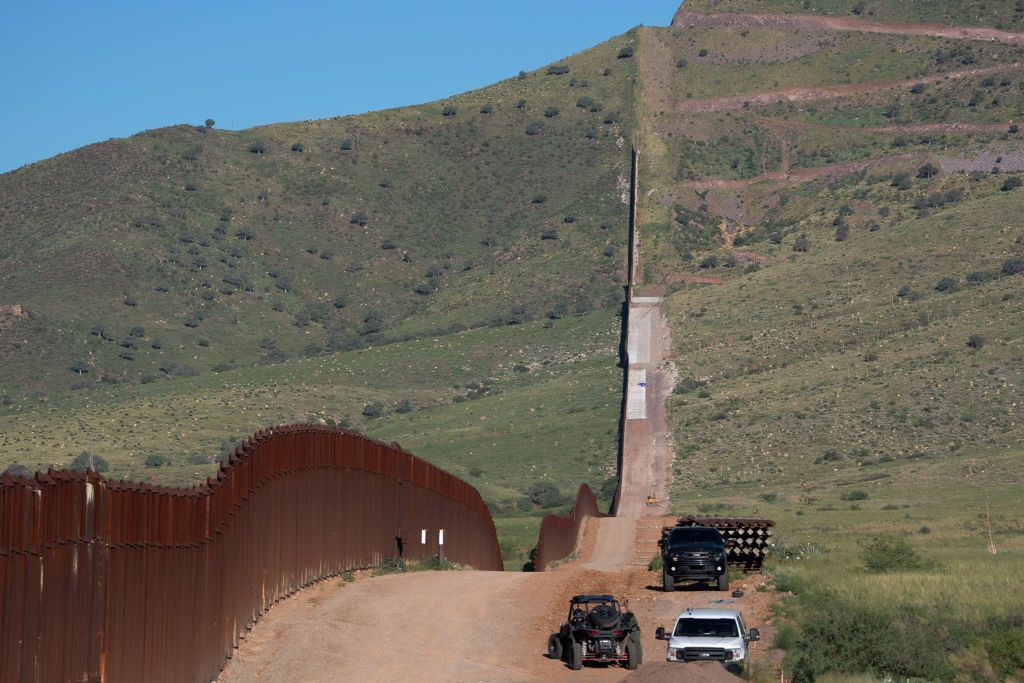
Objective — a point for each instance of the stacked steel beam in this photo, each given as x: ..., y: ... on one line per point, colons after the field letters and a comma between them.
x: 747, y: 538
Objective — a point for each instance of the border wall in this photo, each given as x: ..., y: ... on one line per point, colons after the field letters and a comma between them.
x: 558, y: 535
x: 116, y: 581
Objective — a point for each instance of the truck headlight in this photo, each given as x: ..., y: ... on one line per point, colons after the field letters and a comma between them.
x: 673, y: 653
x: 736, y: 654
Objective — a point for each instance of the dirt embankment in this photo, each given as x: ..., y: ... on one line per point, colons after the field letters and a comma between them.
x: 797, y: 175
x: 822, y: 92
x: 684, y: 18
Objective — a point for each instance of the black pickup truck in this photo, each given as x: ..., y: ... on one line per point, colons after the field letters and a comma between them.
x: 694, y: 553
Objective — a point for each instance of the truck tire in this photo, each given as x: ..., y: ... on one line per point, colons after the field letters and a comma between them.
x: 576, y: 656
x: 554, y: 646
x: 668, y: 582
x: 723, y: 580
x: 634, y: 655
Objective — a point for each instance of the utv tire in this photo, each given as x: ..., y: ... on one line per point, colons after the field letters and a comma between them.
x: 668, y: 582
x: 723, y: 581
x: 634, y: 655
x: 554, y: 646
x: 576, y: 656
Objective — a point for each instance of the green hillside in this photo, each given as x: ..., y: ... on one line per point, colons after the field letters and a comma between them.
x: 185, y: 249
x: 1001, y: 14
x: 450, y: 275
x: 855, y: 371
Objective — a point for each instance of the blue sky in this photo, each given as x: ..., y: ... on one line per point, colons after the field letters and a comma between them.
x: 81, y: 72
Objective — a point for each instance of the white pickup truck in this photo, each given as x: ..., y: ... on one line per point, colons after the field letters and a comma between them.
x: 709, y: 635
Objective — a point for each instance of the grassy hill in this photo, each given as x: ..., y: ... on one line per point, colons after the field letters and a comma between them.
x: 184, y: 249
x: 856, y: 371
x: 449, y: 276
x: 1002, y: 14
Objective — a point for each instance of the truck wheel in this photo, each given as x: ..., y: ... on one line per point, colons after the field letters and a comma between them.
x: 576, y: 656
x: 633, y: 655
x: 668, y: 582
x: 723, y: 580
x: 554, y: 646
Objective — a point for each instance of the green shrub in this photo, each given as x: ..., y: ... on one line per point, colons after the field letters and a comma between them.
x: 851, y: 638
x: 16, y: 469
x: 88, y: 461
x: 391, y: 565
x: 890, y: 553
x: 155, y: 460
x: 655, y: 564
x: 373, y: 410
x: 947, y: 284
x: 545, y: 494
x: 1013, y: 266
x: 855, y: 495
x: 535, y: 128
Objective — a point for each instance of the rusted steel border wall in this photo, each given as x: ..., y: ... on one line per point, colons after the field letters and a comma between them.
x: 558, y: 535
x: 105, y: 580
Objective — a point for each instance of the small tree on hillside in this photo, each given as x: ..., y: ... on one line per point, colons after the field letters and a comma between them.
x: 88, y: 461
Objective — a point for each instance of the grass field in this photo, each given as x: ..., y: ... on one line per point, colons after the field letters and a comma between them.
x: 965, y: 605
x: 503, y: 408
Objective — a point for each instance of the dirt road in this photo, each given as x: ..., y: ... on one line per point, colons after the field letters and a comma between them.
x: 472, y: 626
x: 822, y: 92
x: 684, y: 18
x: 493, y: 626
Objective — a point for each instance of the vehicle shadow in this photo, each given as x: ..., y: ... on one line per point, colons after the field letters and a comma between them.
x: 696, y: 587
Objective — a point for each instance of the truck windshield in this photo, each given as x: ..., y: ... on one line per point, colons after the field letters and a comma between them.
x: 707, y: 628
x: 683, y: 536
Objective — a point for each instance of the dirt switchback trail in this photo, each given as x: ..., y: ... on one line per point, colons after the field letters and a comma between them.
x: 685, y: 18
x: 823, y: 92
